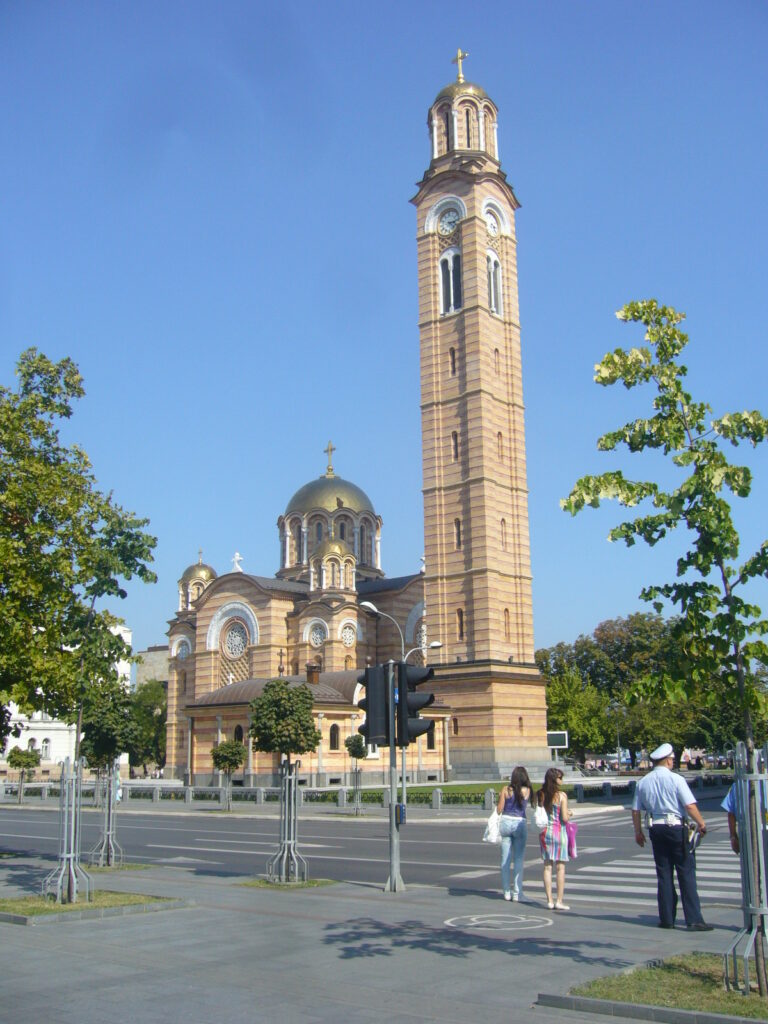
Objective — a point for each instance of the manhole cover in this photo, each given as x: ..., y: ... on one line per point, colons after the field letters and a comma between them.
x: 498, y: 922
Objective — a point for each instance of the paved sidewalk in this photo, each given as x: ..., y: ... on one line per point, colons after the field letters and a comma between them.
x: 342, y: 952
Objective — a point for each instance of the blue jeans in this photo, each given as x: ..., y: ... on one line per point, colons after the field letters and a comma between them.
x: 514, y: 832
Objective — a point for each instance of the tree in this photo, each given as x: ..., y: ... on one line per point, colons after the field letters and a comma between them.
x: 720, y: 631
x: 149, y: 707
x: 281, y: 719
x: 356, y: 747
x: 227, y: 757
x: 25, y: 762
x: 108, y: 728
x: 64, y: 548
x: 580, y: 708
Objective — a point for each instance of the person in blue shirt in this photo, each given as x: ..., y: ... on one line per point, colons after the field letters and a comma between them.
x: 667, y: 799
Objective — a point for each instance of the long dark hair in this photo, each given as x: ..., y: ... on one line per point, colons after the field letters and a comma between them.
x: 550, y: 789
x: 518, y: 780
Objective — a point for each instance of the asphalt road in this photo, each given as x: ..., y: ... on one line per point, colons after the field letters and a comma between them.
x: 442, y: 853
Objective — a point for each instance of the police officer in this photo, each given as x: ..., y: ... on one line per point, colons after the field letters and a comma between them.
x: 667, y: 798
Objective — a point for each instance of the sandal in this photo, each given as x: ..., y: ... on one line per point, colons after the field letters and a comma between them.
x: 550, y: 905
x: 561, y: 906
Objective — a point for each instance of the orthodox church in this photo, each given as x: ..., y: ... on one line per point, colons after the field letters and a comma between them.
x: 330, y: 610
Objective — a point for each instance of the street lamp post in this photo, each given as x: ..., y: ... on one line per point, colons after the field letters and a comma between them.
x: 371, y: 607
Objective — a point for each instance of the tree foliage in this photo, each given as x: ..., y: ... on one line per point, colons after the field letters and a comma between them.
x: 228, y: 756
x: 580, y: 708
x: 718, y: 629
x: 64, y: 548
x: 108, y: 726
x: 23, y: 760
x: 282, y: 721
x: 149, y: 709
x: 356, y: 747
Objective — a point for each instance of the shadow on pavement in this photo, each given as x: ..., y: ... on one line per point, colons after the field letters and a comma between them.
x: 367, y: 937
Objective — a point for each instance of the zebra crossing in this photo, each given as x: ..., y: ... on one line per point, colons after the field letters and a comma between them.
x: 632, y: 880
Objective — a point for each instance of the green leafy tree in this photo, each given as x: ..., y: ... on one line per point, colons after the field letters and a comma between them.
x: 24, y: 762
x: 228, y: 756
x: 580, y: 708
x: 108, y: 727
x: 356, y: 747
x: 281, y: 719
x: 65, y: 548
x: 720, y: 630
x: 149, y: 709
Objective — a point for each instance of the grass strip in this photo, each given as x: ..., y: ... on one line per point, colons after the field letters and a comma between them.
x: 33, y: 906
x: 94, y: 869
x: 311, y: 883
x: 690, y: 982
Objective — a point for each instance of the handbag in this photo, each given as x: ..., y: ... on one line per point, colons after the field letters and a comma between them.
x: 492, y: 834
x: 571, y: 828
x: 540, y: 817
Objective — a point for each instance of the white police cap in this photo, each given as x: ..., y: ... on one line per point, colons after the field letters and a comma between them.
x: 661, y: 752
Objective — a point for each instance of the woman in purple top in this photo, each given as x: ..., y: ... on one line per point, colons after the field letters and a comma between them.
x: 513, y: 827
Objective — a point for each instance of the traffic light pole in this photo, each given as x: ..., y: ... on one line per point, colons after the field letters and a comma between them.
x: 394, y: 882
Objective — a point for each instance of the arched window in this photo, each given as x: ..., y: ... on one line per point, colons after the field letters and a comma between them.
x: 45, y: 750
x: 506, y: 623
x: 468, y: 123
x: 238, y: 734
x: 459, y: 624
x: 455, y: 727
x: 342, y: 531
x: 500, y: 446
x: 333, y: 740
x: 450, y: 281
x: 452, y: 361
x: 431, y: 745
x: 455, y: 445
x: 32, y: 745
x: 493, y: 268
x: 363, y: 545
x: 496, y: 361
x: 503, y: 535
x: 457, y: 533
x: 348, y: 662
x: 183, y: 681
x: 319, y: 532
x: 296, y: 542
x: 447, y: 127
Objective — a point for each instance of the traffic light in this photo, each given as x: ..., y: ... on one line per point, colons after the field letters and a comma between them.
x: 410, y: 703
x: 375, y: 728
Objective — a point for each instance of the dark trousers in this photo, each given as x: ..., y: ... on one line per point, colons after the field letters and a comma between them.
x: 671, y: 853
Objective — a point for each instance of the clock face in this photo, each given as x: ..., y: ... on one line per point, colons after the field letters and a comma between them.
x: 492, y: 224
x: 448, y: 222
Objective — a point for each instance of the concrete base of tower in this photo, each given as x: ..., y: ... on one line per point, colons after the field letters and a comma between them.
x: 498, y: 718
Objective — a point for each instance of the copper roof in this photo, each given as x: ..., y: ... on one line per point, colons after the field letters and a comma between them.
x: 333, y: 688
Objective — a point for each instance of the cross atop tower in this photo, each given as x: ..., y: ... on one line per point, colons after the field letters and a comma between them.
x: 329, y: 452
x: 460, y: 56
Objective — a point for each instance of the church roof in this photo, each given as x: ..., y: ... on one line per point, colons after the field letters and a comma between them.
x: 330, y: 492
x: 450, y: 92
x: 365, y: 587
x: 332, y: 688
x: 272, y: 583
x: 198, y: 571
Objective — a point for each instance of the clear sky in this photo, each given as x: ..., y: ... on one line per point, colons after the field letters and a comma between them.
x: 206, y: 206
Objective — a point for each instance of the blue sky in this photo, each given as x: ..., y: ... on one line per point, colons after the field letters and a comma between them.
x: 206, y: 206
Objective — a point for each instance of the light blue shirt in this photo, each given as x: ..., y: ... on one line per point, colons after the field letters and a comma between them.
x: 662, y: 792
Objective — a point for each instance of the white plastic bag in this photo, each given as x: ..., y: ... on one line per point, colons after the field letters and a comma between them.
x: 540, y: 817
x: 492, y: 834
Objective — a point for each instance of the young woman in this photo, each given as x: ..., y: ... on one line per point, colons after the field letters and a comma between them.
x: 514, y: 831
x: 554, y: 839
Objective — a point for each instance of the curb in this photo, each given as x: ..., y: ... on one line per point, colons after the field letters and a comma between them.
x: 95, y: 913
x: 637, y: 1011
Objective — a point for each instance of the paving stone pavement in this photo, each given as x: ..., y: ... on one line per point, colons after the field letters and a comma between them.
x: 321, y: 955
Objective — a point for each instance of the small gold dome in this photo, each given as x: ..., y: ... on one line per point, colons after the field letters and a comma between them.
x: 198, y: 571
x: 329, y: 493
x: 450, y: 92
x: 332, y: 547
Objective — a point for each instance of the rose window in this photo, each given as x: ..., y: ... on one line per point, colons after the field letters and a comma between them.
x: 317, y: 636
x: 236, y: 640
x: 348, y: 635
x: 183, y: 651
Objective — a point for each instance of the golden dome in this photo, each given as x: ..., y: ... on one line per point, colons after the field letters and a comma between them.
x: 450, y: 92
x: 198, y: 571
x: 330, y: 493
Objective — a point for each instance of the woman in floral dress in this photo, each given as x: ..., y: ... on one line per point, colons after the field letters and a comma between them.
x: 554, y: 839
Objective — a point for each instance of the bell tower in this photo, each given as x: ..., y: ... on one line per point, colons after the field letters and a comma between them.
x: 476, y: 534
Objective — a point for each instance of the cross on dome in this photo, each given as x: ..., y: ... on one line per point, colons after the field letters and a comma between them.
x: 460, y: 56
x: 329, y: 452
